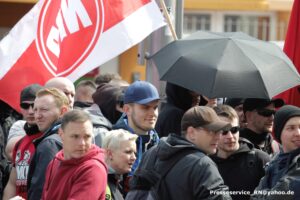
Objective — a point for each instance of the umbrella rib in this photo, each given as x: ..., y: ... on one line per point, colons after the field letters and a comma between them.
x: 261, y: 77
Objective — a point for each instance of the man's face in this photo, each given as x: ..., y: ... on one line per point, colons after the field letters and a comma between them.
x: 69, y: 91
x: 28, y: 112
x: 46, y: 112
x: 259, y: 123
x: 77, y: 139
x: 229, y: 143
x: 204, y: 139
x: 290, y: 135
x: 123, y: 158
x: 142, y: 118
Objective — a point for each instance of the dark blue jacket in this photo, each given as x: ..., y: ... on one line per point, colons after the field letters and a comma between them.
x: 46, y: 148
x: 282, y: 175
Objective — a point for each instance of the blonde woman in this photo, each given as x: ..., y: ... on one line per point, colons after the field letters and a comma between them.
x: 120, y: 154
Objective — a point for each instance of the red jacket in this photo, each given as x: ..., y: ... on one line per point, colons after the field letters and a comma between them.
x: 83, y: 178
x: 22, y: 155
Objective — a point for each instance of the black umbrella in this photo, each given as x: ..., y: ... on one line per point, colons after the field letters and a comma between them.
x: 226, y: 65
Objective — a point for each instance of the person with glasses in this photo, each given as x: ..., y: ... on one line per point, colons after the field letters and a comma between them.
x: 23, y: 149
x: 259, y: 116
x: 239, y: 163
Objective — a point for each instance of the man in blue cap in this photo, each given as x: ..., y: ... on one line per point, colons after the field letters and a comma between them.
x: 140, y: 108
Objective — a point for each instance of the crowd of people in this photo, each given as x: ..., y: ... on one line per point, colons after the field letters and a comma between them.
x: 108, y: 139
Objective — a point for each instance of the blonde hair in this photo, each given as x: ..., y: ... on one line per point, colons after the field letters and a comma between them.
x: 226, y: 111
x: 59, y: 97
x: 114, y: 138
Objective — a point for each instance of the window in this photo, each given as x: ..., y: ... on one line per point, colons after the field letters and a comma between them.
x: 195, y: 22
x: 256, y: 26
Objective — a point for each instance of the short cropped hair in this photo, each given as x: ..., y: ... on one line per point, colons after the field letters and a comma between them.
x: 226, y: 111
x: 59, y: 97
x: 88, y: 83
x: 106, y: 78
x: 79, y: 116
x: 114, y: 138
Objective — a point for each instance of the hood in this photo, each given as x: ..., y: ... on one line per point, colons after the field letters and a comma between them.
x: 178, y: 96
x: 106, y: 97
x: 97, y: 117
x: 94, y: 153
x: 172, y: 145
x: 245, y: 147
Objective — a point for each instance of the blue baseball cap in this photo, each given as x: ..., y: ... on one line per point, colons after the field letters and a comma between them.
x: 141, y: 92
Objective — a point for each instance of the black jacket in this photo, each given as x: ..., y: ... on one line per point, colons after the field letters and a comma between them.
x: 195, y: 176
x: 242, y: 170
x: 179, y: 100
x: 270, y: 146
x: 46, y: 148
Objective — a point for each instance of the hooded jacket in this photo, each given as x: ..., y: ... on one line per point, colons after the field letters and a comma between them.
x: 46, y: 148
x: 242, y: 170
x: 179, y: 100
x: 283, y: 175
x: 195, y: 176
x: 82, y: 178
x: 107, y: 97
x: 101, y: 125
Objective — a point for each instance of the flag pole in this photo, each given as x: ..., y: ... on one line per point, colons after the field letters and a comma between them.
x: 163, y: 5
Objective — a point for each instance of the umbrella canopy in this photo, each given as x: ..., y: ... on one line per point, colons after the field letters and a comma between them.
x: 231, y: 64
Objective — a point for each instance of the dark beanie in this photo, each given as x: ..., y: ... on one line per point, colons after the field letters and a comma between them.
x: 282, y: 116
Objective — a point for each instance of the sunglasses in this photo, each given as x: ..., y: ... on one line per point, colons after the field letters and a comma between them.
x: 266, y: 112
x: 233, y: 130
x: 26, y: 105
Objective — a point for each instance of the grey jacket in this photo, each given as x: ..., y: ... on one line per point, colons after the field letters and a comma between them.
x: 101, y: 125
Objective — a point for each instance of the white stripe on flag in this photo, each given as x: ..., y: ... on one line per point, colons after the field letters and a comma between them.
x: 121, y: 37
x: 18, y: 40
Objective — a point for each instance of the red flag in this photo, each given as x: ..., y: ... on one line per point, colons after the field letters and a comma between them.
x: 292, y: 50
x: 70, y: 38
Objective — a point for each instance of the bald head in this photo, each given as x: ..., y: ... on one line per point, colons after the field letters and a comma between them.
x: 64, y: 85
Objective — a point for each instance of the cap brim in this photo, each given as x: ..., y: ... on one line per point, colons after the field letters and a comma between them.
x: 217, y: 126
x: 146, y: 101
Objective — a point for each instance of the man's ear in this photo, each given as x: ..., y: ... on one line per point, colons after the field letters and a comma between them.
x: 126, y: 108
x: 248, y: 116
x: 190, y: 133
x: 63, y: 110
